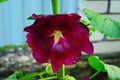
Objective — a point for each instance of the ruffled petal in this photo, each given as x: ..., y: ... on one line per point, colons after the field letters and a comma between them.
x: 41, y: 57
x: 78, y: 37
x: 63, y: 53
x: 40, y: 47
x: 63, y: 21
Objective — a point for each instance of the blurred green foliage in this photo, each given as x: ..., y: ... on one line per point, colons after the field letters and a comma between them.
x: 3, y: 0
x: 8, y: 47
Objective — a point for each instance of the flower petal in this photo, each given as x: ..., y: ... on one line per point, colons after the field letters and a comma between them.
x: 78, y: 36
x: 40, y: 46
x: 85, y: 79
x: 35, y: 16
x: 63, y: 53
x: 63, y: 21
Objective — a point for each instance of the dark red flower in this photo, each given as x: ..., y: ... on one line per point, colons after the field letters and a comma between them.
x: 85, y: 79
x: 58, y: 39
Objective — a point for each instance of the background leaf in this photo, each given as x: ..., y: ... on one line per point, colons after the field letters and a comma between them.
x: 88, y: 25
x: 48, y: 69
x: 30, y: 18
x: 84, y: 22
x: 29, y: 76
x: 67, y: 77
x: 105, y: 25
x: 15, y: 75
x: 96, y: 63
x: 113, y: 72
x: 3, y: 0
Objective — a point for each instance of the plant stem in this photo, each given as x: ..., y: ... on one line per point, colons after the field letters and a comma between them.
x: 55, y: 8
x: 50, y: 78
x: 95, y: 74
x: 41, y: 74
x: 63, y: 72
x: 63, y: 69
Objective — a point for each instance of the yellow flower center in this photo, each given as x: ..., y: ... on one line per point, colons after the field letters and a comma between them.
x: 57, y: 35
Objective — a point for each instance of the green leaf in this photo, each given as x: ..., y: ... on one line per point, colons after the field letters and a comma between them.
x: 67, y: 77
x: 48, y: 69
x: 30, y: 18
x: 96, y: 63
x: 25, y: 46
x: 7, y: 47
x: 61, y: 72
x: 113, y: 72
x: 29, y: 76
x: 3, y: 0
x: 91, y: 29
x: 1, y: 48
x: 105, y: 25
x: 84, y: 22
x: 88, y: 25
x: 15, y: 75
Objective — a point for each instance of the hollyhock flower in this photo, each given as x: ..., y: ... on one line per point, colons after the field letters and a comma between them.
x: 85, y: 79
x: 59, y: 39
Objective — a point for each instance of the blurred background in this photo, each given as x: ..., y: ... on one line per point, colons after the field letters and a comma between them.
x: 15, y: 55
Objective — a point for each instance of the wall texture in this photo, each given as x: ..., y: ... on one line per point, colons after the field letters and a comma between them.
x: 14, y: 13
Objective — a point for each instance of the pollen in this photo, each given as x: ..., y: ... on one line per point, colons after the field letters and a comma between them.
x: 57, y: 35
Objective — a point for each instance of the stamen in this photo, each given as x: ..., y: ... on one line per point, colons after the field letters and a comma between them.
x: 57, y: 35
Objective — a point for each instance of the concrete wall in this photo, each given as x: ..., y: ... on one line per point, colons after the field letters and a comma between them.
x: 100, y: 6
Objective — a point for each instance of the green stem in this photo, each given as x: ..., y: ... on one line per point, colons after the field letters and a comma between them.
x: 50, y: 78
x: 63, y: 72
x: 55, y: 7
x: 95, y: 74
x: 41, y: 74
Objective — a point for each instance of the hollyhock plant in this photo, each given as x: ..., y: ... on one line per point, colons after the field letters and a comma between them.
x: 59, y: 39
